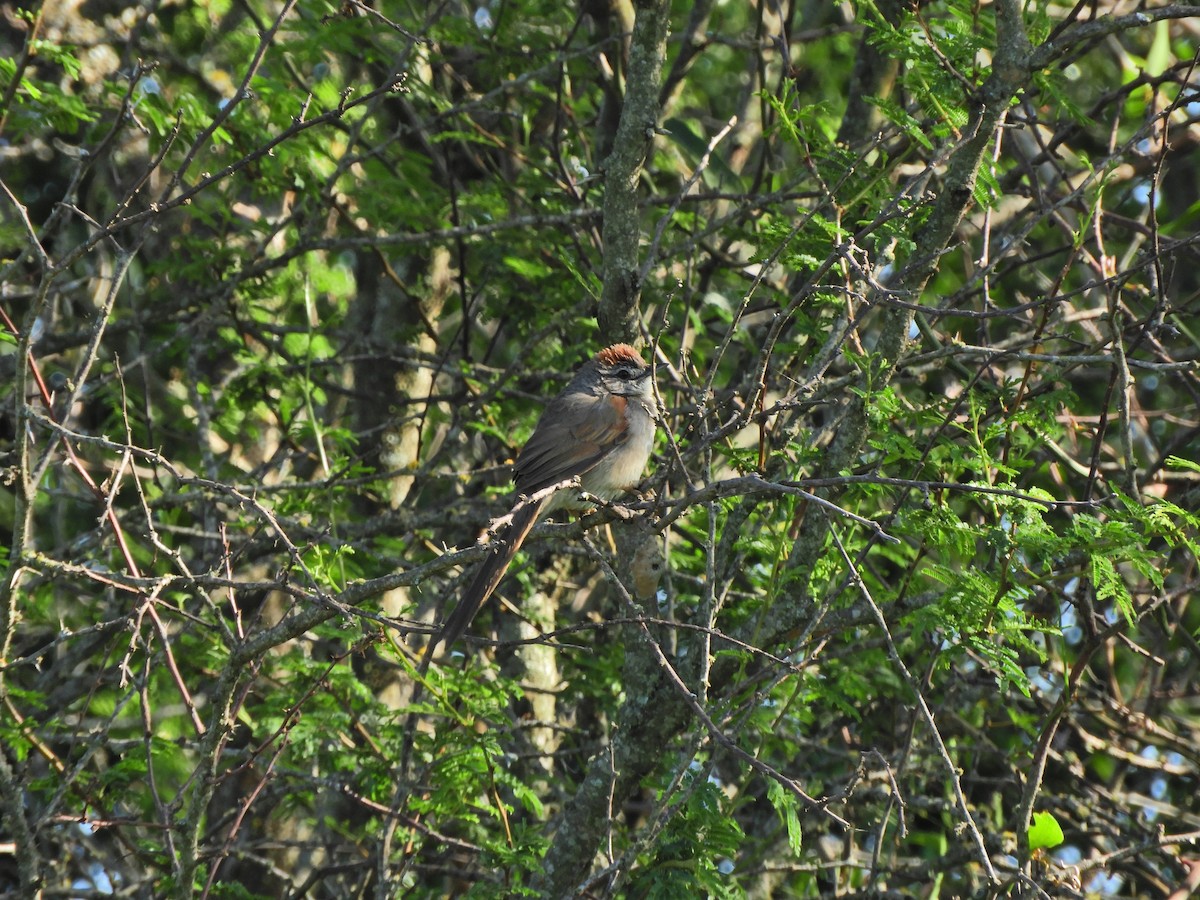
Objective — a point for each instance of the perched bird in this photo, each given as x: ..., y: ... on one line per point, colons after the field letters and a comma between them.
x: 600, y: 429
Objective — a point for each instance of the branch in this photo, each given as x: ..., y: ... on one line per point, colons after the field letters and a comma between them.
x: 952, y: 770
x: 635, y: 135
x: 12, y: 813
x: 1058, y: 45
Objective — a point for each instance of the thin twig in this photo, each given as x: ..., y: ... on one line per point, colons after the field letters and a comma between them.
x: 926, y: 713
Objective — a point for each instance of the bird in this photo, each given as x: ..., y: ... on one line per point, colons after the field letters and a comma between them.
x: 599, y: 430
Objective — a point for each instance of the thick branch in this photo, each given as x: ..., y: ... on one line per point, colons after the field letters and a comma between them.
x: 635, y: 135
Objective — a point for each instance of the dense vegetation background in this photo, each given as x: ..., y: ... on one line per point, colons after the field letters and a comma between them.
x: 284, y: 286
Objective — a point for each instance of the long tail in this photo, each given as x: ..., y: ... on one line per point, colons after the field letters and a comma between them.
x: 489, y: 573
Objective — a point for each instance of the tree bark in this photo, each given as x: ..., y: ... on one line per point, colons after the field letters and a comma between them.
x: 621, y: 295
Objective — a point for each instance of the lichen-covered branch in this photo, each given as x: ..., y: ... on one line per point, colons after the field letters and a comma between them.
x: 635, y: 136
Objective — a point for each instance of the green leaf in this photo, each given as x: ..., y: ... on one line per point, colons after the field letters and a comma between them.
x: 899, y: 117
x: 1159, y: 57
x: 1110, y: 585
x: 1178, y: 462
x: 786, y: 807
x: 533, y: 269
x: 1044, y: 831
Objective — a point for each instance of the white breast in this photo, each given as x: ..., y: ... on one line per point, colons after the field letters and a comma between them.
x: 621, y: 470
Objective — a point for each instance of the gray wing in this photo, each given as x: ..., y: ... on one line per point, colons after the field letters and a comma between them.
x: 573, y: 435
